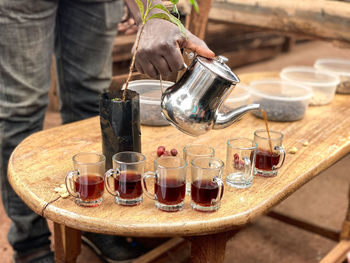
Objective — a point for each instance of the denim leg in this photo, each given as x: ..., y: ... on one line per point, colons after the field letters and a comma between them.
x: 84, y: 39
x: 26, y: 47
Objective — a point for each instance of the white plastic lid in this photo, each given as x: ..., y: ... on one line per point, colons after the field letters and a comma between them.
x: 336, y: 65
x: 309, y: 76
x: 277, y: 89
x: 149, y: 89
x: 239, y: 93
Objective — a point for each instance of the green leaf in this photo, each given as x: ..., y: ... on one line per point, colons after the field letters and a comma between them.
x: 174, y: 2
x: 195, y: 5
x: 160, y: 16
x: 179, y: 24
x: 141, y: 8
x: 149, y: 3
x: 161, y: 7
x: 176, y: 11
x: 171, y: 19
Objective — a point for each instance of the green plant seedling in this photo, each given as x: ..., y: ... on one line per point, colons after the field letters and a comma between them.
x: 162, y: 14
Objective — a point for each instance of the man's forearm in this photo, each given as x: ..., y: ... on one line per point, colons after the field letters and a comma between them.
x: 134, y: 10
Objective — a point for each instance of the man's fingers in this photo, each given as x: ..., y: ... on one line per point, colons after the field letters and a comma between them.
x: 149, y: 69
x: 161, y: 65
x: 174, y: 59
x: 199, y: 49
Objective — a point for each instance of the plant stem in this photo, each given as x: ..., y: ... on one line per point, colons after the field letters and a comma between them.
x: 133, y: 61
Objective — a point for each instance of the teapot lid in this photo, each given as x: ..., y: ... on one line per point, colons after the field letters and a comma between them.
x: 218, y: 66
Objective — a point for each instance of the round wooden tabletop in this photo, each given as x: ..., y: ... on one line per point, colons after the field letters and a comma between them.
x: 41, y: 161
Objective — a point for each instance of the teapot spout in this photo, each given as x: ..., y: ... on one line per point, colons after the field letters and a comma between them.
x: 224, y: 120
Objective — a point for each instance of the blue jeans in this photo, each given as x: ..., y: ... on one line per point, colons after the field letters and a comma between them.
x: 80, y: 34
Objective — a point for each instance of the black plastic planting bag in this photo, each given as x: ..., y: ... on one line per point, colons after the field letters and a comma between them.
x: 120, y: 123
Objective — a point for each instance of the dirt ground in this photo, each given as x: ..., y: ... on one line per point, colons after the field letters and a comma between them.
x: 322, y: 201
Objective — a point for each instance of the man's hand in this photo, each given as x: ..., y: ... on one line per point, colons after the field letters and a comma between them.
x: 159, y: 48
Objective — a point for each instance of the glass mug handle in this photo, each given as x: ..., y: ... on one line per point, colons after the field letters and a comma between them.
x: 68, y: 180
x: 115, y: 173
x: 221, y: 188
x: 282, y: 152
x: 247, y: 165
x: 145, y: 176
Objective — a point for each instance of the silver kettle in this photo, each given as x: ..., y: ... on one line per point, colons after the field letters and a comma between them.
x: 192, y: 104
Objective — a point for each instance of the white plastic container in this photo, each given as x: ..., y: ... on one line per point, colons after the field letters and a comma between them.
x: 281, y: 100
x: 323, y: 83
x: 150, y: 95
x: 238, y: 97
x: 340, y: 67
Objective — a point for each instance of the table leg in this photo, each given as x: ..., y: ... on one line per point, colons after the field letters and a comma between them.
x: 67, y: 243
x: 210, y: 248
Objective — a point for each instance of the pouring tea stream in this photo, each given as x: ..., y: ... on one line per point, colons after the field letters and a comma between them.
x: 192, y: 104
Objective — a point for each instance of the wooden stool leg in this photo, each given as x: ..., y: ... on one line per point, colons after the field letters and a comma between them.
x: 67, y: 243
x: 209, y: 248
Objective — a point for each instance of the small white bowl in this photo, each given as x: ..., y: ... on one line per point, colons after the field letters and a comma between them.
x: 281, y: 100
x: 150, y: 96
x: 323, y: 83
x: 338, y: 66
x: 238, y: 97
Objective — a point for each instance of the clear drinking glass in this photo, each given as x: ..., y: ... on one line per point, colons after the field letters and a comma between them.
x: 206, y: 185
x: 240, y: 159
x: 191, y: 152
x: 270, y: 154
x: 128, y: 168
x: 85, y: 183
x: 169, y: 183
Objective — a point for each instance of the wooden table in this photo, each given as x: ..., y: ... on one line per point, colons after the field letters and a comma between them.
x: 40, y: 162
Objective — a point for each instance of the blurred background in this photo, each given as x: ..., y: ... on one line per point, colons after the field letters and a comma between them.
x: 257, y: 36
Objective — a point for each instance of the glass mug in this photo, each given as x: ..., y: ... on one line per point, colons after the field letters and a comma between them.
x: 85, y: 183
x: 128, y: 168
x: 195, y: 151
x: 267, y: 163
x: 240, y: 160
x: 169, y: 183
x: 206, y: 185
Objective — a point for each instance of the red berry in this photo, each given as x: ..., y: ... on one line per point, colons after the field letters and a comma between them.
x: 173, y: 152
x: 166, y: 153
x: 236, y: 156
x: 160, y: 150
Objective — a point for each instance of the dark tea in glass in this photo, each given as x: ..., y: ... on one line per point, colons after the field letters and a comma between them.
x: 128, y: 168
x: 89, y: 187
x: 128, y: 185
x: 270, y: 154
x: 85, y: 183
x: 169, y: 179
x: 170, y: 191
x: 265, y: 160
x: 206, y: 185
x: 203, y: 192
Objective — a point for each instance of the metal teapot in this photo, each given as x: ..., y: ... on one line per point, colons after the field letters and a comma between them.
x: 192, y: 104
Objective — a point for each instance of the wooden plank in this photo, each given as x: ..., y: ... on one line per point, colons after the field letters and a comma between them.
x: 197, y: 22
x: 321, y: 19
x: 338, y: 253
x: 244, y: 57
x: 160, y: 250
x: 210, y: 248
x: 67, y: 243
x: 122, y: 47
x: 345, y: 232
x: 303, y: 224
